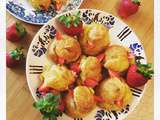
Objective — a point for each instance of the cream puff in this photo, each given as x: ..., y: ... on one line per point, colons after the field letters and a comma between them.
x: 116, y: 58
x: 94, y: 39
x: 57, y: 77
x: 115, y: 94
x: 67, y: 49
x: 79, y: 103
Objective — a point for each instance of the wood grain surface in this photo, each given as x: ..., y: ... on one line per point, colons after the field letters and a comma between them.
x: 19, y: 99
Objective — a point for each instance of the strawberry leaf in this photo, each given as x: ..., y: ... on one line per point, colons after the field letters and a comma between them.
x: 21, y: 30
x: 17, y: 54
x: 136, y: 2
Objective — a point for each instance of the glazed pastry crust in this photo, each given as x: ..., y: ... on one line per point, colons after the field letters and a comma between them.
x: 116, y: 58
x: 113, y: 89
x: 90, y: 69
x: 97, y: 35
x: 68, y: 48
x: 57, y: 77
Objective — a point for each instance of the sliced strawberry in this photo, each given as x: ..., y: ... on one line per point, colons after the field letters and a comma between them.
x: 58, y: 5
x: 113, y: 73
x: 100, y: 57
x: 61, y: 60
x: 119, y: 103
x: 75, y: 67
x: 90, y: 44
x: 43, y: 88
x: 61, y: 106
x: 58, y: 36
x: 98, y: 99
x: 90, y: 82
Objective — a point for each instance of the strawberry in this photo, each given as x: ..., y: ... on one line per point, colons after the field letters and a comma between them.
x: 43, y: 88
x: 75, y: 67
x: 100, y: 57
x: 98, y: 99
x: 58, y: 36
x: 128, y: 7
x: 71, y: 25
x: 113, y: 73
x: 139, y: 74
x: 14, y: 57
x: 119, y: 103
x: 15, y: 32
x: 61, y: 105
x: 90, y: 82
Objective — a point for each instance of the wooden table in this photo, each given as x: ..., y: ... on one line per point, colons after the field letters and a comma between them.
x: 19, y: 99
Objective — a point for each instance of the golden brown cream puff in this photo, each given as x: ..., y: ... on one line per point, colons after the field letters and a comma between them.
x: 94, y: 39
x: 116, y: 58
x: 90, y: 71
x: 115, y: 94
x: 79, y: 103
x: 57, y: 77
x: 67, y: 49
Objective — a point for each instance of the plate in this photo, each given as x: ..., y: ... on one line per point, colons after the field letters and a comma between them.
x: 22, y: 10
x: 120, y: 33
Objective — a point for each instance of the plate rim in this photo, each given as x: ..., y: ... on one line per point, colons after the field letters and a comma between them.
x: 92, y: 9
x: 34, y: 23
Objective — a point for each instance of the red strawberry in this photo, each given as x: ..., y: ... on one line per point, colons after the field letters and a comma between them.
x: 100, y: 57
x: 71, y: 25
x: 14, y: 57
x: 75, y: 67
x: 138, y: 75
x: 113, y: 73
x: 119, y: 103
x: 15, y: 32
x: 98, y: 99
x: 90, y: 83
x: 43, y: 88
x: 128, y: 7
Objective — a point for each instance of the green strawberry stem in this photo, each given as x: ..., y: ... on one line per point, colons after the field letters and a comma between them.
x: 21, y: 30
x: 71, y: 19
x: 48, y: 106
x: 17, y: 54
x: 145, y: 69
x: 136, y: 2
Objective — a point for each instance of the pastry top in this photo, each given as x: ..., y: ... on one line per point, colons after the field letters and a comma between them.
x: 94, y: 39
x: 90, y: 69
x: 66, y: 48
x: 116, y: 58
x: 57, y: 77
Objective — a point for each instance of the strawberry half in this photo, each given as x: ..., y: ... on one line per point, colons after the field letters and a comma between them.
x: 128, y: 7
x: 15, y: 32
x: 100, y: 57
x: 139, y: 74
x: 14, y: 57
x: 90, y: 83
x: 43, y: 88
x: 71, y: 25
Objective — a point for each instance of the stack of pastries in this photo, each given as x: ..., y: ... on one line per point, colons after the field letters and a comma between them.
x: 78, y: 62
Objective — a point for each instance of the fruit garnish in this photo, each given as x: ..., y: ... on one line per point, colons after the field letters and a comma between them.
x: 71, y: 24
x: 90, y: 44
x: 58, y: 36
x: 128, y: 7
x: 48, y: 106
x: 100, y: 57
x: 43, y: 88
x: 119, y: 103
x: 58, y: 4
x: 138, y: 74
x: 145, y: 69
x: 75, y: 67
x: 15, y: 32
x: 68, y: 20
x: 113, y: 73
x: 90, y: 82
x: 98, y: 99
x: 61, y: 60
x: 14, y: 57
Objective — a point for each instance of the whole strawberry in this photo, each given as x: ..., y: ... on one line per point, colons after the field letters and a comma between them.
x: 128, y: 7
x: 71, y: 25
x: 15, y: 32
x: 14, y: 57
x: 139, y: 74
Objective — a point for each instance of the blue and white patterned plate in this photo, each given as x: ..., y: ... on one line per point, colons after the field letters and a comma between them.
x: 22, y: 10
x: 119, y: 33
